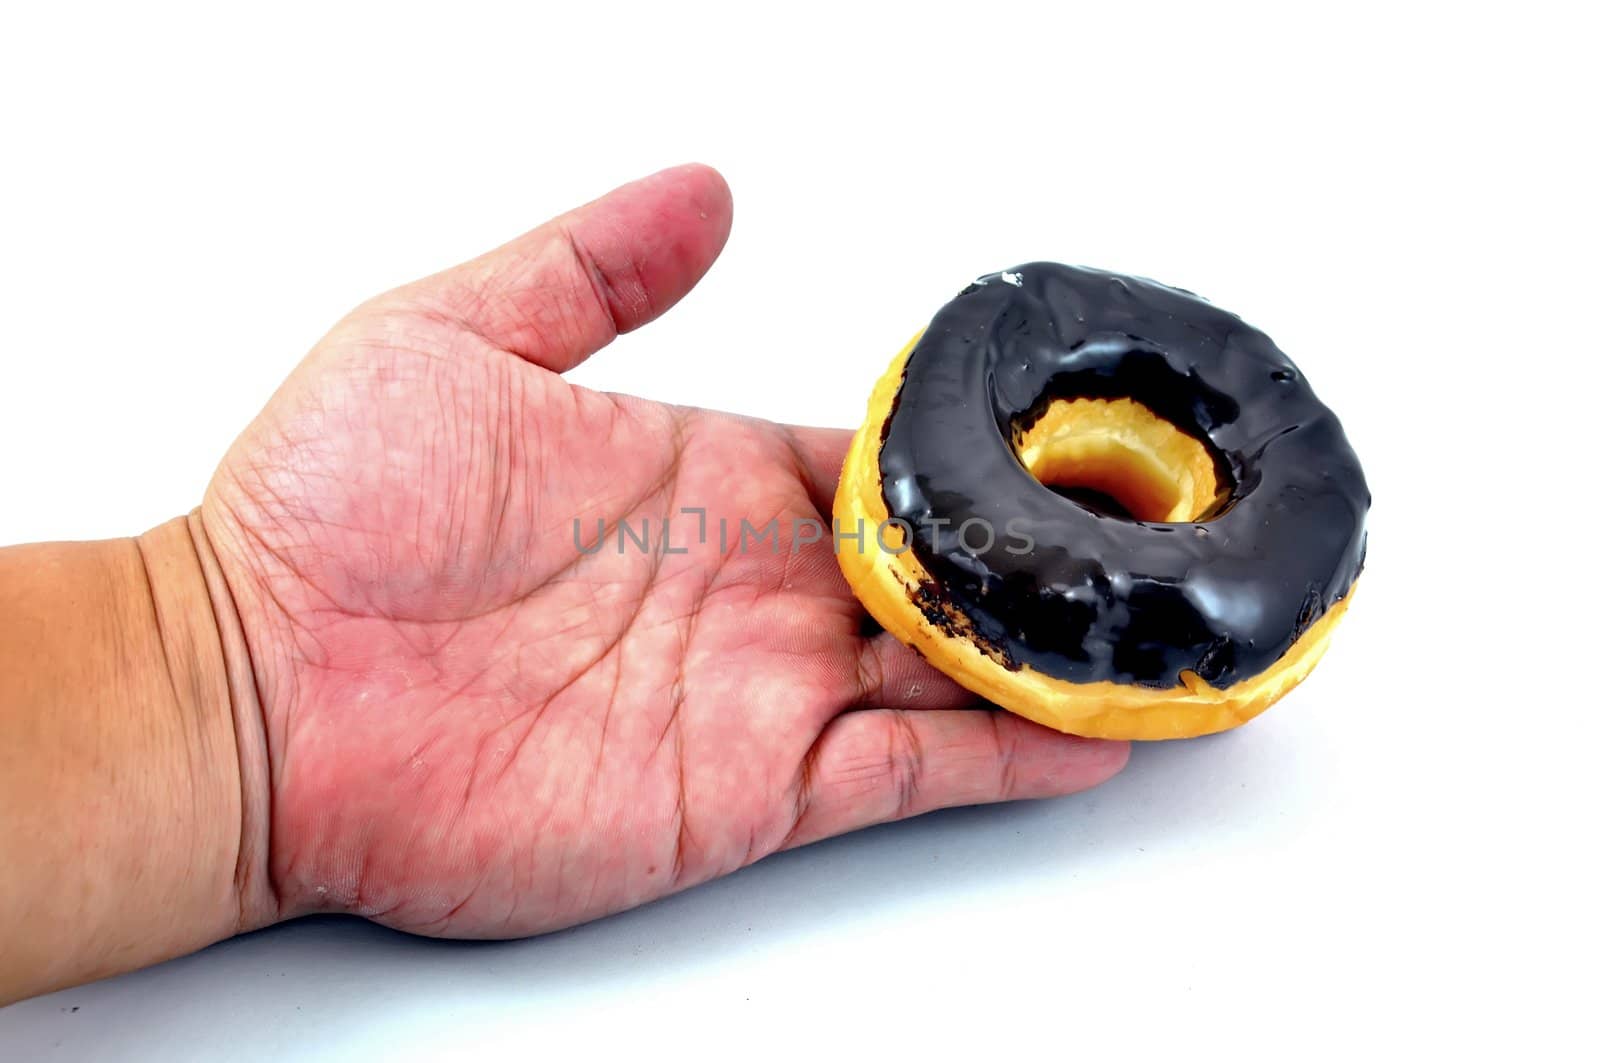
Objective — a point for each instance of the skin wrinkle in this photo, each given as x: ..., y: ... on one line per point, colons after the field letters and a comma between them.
x: 585, y: 556
x: 456, y: 308
x: 818, y: 493
x: 559, y: 635
x: 362, y: 876
x: 1006, y: 752
x: 681, y: 835
x: 276, y: 748
x: 421, y: 749
x: 509, y: 436
x: 657, y: 558
x: 221, y: 590
x: 283, y: 559
x: 438, y: 647
x: 263, y: 544
x: 680, y: 681
x: 674, y: 722
x: 148, y: 604
x: 489, y: 469
x: 714, y: 580
x: 439, y: 460
x: 674, y: 725
x: 278, y: 764
x: 455, y: 819
x: 177, y: 688
x: 532, y: 720
x: 610, y: 646
x: 789, y: 558
x: 804, y: 783
x: 601, y: 286
x: 476, y: 766
x: 474, y: 677
x: 455, y: 909
x: 519, y: 889
x: 524, y: 311
x: 905, y: 762
x: 680, y: 443
x: 869, y: 671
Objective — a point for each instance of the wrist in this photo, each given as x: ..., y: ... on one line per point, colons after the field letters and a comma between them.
x: 228, y: 653
x: 123, y: 781
x: 214, y: 686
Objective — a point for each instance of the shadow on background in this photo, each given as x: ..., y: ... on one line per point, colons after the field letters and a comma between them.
x: 315, y: 981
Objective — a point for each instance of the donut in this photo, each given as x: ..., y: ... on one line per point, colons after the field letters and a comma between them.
x: 1103, y: 504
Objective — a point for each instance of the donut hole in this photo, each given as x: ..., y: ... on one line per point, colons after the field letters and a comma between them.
x: 1114, y: 482
x: 1117, y: 458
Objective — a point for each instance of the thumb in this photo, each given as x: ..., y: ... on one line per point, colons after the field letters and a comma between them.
x: 559, y: 293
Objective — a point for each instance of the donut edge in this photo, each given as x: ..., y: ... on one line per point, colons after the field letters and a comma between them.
x: 886, y: 583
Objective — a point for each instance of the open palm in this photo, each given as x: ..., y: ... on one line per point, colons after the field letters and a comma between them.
x: 484, y: 719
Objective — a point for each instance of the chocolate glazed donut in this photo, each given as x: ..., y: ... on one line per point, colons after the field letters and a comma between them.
x: 1104, y: 504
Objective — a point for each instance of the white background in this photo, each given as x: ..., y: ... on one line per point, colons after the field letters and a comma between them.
x: 1397, y: 860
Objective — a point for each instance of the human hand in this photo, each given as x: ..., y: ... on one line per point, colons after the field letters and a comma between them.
x: 471, y: 727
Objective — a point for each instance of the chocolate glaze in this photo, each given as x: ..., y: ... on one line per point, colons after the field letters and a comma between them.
x: 1100, y: 596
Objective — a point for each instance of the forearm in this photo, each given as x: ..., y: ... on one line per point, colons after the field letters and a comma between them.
x: 125, y: 835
